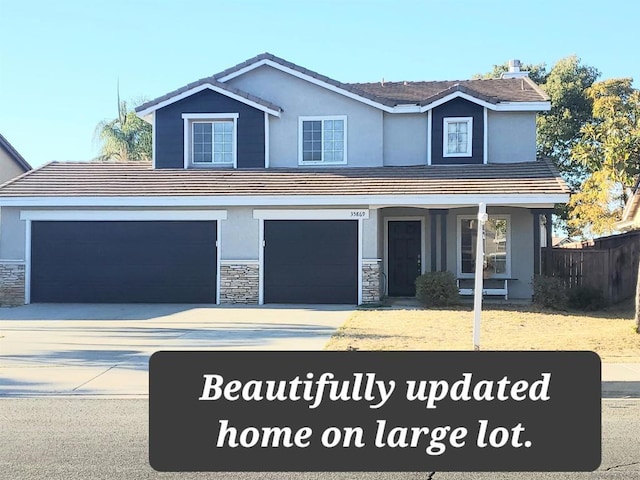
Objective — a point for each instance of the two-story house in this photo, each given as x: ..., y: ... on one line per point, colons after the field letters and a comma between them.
x: 271, y: 183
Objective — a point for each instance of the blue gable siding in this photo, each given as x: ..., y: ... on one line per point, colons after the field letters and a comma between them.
x: 170, y: 129
x: 458, y: 107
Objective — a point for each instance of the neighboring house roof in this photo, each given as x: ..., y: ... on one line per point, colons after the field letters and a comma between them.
x: 513, y: 93
x: 13, y: 153
x: 73, y: 179
x: 211, y: 84
x: 631, y: 213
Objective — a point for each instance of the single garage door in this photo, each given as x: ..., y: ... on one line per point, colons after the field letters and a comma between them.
x: 311, y: 261
x: 123, y: 262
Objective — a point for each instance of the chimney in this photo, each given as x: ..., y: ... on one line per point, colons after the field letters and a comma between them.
x: 514, y: 70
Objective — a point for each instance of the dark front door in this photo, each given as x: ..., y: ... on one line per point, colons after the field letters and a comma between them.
x: 123, y: 262
x: 311, y: 261
x: 404, y: 257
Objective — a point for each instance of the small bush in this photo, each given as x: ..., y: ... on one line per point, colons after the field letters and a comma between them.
x: 549, y: 292
x: 437, y: 289
x: 586, y: 298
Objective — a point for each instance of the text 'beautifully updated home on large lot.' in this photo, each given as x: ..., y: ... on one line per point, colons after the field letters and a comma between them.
x: 271, y: 183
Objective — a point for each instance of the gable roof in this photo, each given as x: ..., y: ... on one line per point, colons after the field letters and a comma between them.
x: 392, y: 97
x: 60, y: 182
x: 13, y: 153
x: 211, y: 84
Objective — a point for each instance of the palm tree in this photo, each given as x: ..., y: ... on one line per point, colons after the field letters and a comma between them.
x: 126, y: 138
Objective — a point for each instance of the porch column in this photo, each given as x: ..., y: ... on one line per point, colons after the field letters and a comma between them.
x: 442, y: 244
x: 434, y: 236
x: 536, y: 242
x: 537, y: 236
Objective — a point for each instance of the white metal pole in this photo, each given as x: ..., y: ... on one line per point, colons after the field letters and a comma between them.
x: 477, y: 291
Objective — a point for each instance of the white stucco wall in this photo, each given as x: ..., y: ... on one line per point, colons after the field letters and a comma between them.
x: 512, y: 136
x: 12, y: 234
x: 240, y: 235
x: 297, y: 98
x: 405, y: 139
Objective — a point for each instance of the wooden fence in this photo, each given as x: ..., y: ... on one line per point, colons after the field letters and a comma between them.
x: 614, y: 270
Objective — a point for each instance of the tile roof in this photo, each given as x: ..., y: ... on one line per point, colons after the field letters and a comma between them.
x: 66, y: 179
x: 395, y: 93
x: 215, y: 83
x: 389, y: 94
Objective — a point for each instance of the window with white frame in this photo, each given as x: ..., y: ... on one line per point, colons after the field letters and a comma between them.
x: 497, y: 246
x: 210, y: 139
x: 322, y: 140
x: 458, y: 132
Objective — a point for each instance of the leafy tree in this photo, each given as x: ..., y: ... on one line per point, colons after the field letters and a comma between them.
x: 609, y: 147
x: 126, y: 138
x: 558, y: 129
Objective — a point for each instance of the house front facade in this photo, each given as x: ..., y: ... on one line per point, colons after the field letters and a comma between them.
x: 271, y: 183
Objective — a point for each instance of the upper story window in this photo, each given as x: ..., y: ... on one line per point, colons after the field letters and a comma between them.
x: 497, y: 246
x: 210, y: 139
x: 322, y: 140
x: 457, y: 136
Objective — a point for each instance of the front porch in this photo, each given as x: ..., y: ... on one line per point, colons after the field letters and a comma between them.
x: 415, y: 240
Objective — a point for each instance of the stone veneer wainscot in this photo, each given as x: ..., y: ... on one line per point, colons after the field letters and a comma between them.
x: 239, y: 281
x: 370, y: 281
x: 11, y: 282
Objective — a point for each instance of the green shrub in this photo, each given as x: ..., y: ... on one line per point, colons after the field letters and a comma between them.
x: 549, y: 292
x: 437, y: 289
x: 587, y: 298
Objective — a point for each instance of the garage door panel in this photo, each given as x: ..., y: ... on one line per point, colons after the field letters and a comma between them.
x: 123, y: 262
x: 311, y: 261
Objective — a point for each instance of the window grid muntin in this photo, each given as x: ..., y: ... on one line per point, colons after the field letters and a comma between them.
x: 497, y: 246
x: 323, y: 140
x: 219, y: 149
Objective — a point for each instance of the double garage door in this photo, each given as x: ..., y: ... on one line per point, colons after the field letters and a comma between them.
x: 305, y: 261
x: 123, y: 262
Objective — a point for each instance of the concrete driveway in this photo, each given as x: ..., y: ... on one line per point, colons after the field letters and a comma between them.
x: 103, y: 350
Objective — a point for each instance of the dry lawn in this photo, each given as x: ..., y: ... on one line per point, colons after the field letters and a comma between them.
x: 609, y: 333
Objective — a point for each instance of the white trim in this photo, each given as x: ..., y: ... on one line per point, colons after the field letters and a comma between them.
x: 261, y: 262
x: 423, y: 241
x: 321, y: 118
x: 266, y: 140
x: 153, y: 141
x: 502, y: 106
x: 360, y: 273
x: 485, y: 139
x: 200, y: 88
x: 239, y: 262
x: 429, y: 135
x: 218, y: 247
x: 403, y: 108
x: 307, y: 78
x: 210, y: 116
x: 186, y: 143
x: 445, y: 136
x: 500, y: 276
x: 27, y: 263
x: 190, y: 119
x: 371, y: 261
x: 320, y: 214
x: 374, y: 201
x: 123, y: 215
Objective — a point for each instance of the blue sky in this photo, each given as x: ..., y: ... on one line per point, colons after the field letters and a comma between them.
x: 60, y: 62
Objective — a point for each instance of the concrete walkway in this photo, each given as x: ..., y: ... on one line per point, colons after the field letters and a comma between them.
x: 103, y: 350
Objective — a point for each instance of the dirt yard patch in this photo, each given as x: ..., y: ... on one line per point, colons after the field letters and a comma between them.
x: 609, y: 333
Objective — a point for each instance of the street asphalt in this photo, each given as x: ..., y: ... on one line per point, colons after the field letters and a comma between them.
x: 74, y: 385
